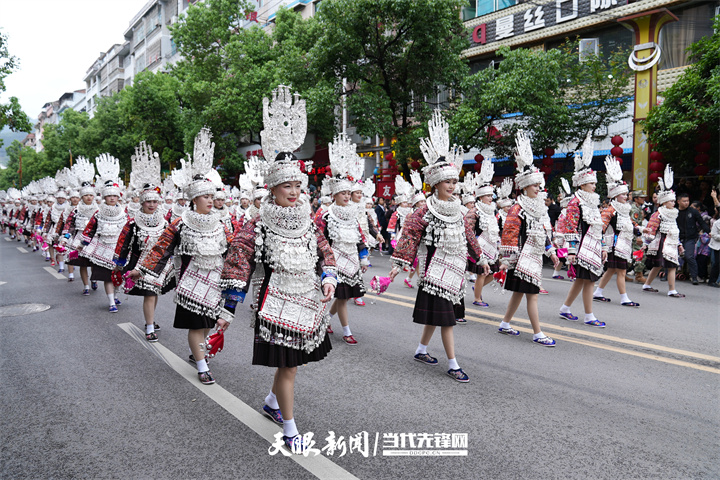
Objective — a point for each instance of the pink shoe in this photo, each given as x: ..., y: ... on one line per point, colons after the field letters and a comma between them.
x: 350, y: 340
x: 543, y: 291
x: 408, y: 283
x: 359, y: 302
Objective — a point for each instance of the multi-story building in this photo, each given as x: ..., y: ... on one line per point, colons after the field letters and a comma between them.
x: 106, y: 76
x: 546, y: 24
x: 51, y: 114
x: 267, y: 9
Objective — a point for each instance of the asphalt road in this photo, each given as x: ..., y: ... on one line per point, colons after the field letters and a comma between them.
x: 83, y: 395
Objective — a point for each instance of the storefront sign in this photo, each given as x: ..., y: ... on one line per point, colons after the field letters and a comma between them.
x: 536, y: 18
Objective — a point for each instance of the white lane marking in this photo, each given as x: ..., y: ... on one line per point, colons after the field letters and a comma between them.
x: 54, y: 273
x: 320, y: 466
x: 3, y: 283
x: 22, y: 250
x: 8, y: 239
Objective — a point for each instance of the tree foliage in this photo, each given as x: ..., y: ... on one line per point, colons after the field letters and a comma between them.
x: 691, y: 108
x: 395, y: 56
x: 11, y: 114
x: 549, y: 93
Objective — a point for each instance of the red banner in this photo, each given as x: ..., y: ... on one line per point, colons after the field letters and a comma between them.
x: 385, y: 189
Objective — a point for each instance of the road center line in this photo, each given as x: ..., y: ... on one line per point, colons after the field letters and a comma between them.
x: 634, y: 343
x: 54, y: 273
x: 320, y: 466
x: 586, y: 342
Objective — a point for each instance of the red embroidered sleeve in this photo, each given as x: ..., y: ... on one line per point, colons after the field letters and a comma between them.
x: 393, y: 222
x: 168, y: 215
x: 571, y: 221
x: 413, y: 229
x: 240, y: 259
x: 325, y: 253
x: 320, y: 222
x: 48, y: 221
x: 474, y: 249
x: 89, y: 231
x: 607, y: 215
x: 122, y: 248
x: 160, y: 253
x: 69, y: 223
x: 653, y: 224
x: 510, y: 240
x: 60, y: 223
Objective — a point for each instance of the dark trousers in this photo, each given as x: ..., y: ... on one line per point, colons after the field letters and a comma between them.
x: 715, y: 269
x: 689, y: 256
x: 702, y: 263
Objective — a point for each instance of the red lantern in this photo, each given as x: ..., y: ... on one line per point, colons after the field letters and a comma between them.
x: 656, y: 166
x: 479, y: 158
x: 546, y: 170
x: 619, y: 160
x: 701, y: 170
x: 702, y: 147
x: 494, y: 133
x: 388, y: 156
x: 415, y: 165
x: 547, y: 162
x: 616, y: 151
x: 549, y: 152
x: 617, y: 140
x: 654, y: 176
x: 656, y: 156
x: 702, y: 158
x: 477, y: 167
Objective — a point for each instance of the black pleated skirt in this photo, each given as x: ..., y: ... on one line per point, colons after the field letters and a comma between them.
x: 100, y: 274
x: 343, y: 291
x: 582, y: 273
x: 437, y: 311
x: 614, y: 261
x: 657, y: 260
x: 515, y: 284
x: 271, y: 355
x: 188, y: 320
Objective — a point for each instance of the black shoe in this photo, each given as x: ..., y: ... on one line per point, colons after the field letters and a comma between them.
x: 93, y: 285
x: 694, y: 281
x: 157, y: 327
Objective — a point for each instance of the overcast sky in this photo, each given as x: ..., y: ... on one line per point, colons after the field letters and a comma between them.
x: 56, y: 42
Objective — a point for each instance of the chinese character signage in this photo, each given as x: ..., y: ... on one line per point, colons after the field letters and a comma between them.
x: 537, y: 17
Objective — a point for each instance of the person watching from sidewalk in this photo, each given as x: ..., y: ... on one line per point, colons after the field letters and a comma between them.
x: 690, y: 223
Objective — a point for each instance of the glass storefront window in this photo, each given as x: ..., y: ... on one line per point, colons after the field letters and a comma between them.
x: 483, y: 7
x: 693, y: 24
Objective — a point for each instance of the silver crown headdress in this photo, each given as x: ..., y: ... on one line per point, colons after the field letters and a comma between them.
x: 65, y: 180
x: 527, y: 174
x: 368, y: 190
x: 343, y: 161
x: 666, y: 182
x: 417, y: 184
x: 256, y: 170
x: 504, y: 192
x: 145, y: 178
x: 484, y: 179
x: 200, y: 165
x: 468, y: 186
x: 14, y: 194
x: 49, y: 186
x: 84, y: 171
x: 615, y: 184
x: 565, y: 189
x: 403, y: 190
x: 284, y: 129
x: 583, y: 173
x: 443, y: 162
x: 108, y: 168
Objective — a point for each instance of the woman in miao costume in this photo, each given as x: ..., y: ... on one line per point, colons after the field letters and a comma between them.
x: 140, y: 234
x: 340, y: 226
x: 55, y: 219
x: 407, y: 201
x: 662, y: 237
x: 524, y: 240
x: 582, y: 228
x: 79, y: 217
x: 439, y: 235
x: 287, y: 251
x: 619, y: 233
x: 73, y: 201
x: 198, y: 242
x: 102, y: 231
x: 487, y: 229
x: 559, y: 239
x: 357, y: 195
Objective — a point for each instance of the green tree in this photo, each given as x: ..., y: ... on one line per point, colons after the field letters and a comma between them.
x: 34, y: 166
x: 549, y: 93
x: 64, y: 138
x: 150, y: 111
x: 107, y: 132
x: 11, y: 114
x: 395, y: 55
x: 691, y: 109
x: 226, y: 73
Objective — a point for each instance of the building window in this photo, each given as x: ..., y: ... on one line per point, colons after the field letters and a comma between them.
x: 675, y: 37
x: 140, y: 33
x: 483, y: 7
x: 153, y: 53
x: 140, y: 63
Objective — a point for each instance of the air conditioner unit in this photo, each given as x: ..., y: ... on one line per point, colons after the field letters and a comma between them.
x: 589, y: 46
